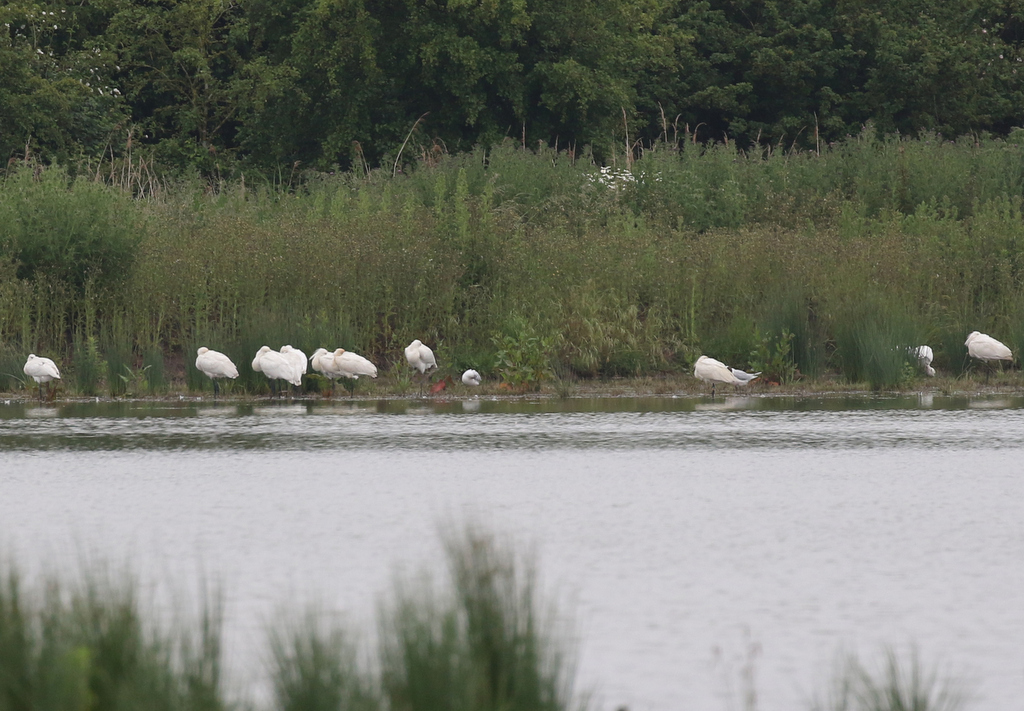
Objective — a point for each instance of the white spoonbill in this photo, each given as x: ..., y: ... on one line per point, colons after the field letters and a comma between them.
x: 42, y: 370
x: 275, y: 366
x: 420, y: 356
x: 214, y: 365
x: 714, y: 371
x: 471, y: 377
x: 297, y: 358
x: 743, y: 376
x: 924, y: 357
x: 351, y: 365
x: 323, y: 362
x: 985, y: 348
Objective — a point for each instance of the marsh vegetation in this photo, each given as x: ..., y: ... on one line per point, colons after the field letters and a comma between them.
x: 529, y: 266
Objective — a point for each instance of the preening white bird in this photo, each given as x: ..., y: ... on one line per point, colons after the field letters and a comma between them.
x: 985, y: 348
x: 743, y: 376
x: 214, y: 365
x: 323, y: 362
x: 924, y: 357
x: 351, y: 365
x: 42, y: 370
x: 420, y: 356
x: 276, y: 366
x: 714, y: 371
x: 297, y: 358
x: 471, y: 377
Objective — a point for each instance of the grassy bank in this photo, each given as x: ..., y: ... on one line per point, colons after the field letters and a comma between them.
x: 481, y: 639
x: 530, y: 266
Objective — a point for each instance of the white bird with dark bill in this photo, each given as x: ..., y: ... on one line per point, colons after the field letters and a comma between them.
x: 743, y: 376
x: 420, y: 356
x: 985, y: 348
x: 714, y: 371
x: 215, y: 365
x: 276, y: 366
x: 924, y: 357
x: 471, y: 377
x: 42, y: 370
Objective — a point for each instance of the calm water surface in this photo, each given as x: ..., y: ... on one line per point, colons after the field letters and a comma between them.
x: 685, y: 535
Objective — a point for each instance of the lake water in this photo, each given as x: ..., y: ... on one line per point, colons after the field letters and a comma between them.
x: 689, y: 538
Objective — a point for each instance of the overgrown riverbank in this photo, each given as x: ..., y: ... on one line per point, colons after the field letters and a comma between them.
x: 530, y: 267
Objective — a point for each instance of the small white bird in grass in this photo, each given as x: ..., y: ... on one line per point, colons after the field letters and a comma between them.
x: 714, y: 371
x: 42, y: 370
x: 471, y: 377
x: 214, y: 365
x: 924, y: 357
x: 744, y: 377
x: 420, y: 356
x: 276, y: 367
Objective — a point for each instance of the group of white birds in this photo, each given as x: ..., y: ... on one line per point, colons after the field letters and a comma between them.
x: 289, y: 364
x: 980, y: 346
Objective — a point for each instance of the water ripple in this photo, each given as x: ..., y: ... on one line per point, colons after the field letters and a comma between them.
x: 449, y: 426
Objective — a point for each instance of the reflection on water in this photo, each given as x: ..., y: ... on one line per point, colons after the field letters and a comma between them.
x: 675, y: 524
x: 606, y: 424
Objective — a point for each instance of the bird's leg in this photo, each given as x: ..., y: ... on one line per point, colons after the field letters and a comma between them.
x: 712, y: 391
x: 40, y: 393
x: 216, y: 389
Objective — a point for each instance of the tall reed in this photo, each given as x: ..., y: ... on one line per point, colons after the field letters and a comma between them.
x: 482, y: 644
x: 902, y: 684
x: 314, y: 667
x: 88, y: 646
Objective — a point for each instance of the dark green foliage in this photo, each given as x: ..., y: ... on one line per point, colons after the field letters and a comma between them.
x: 69, y: 232
x: 271, y: 88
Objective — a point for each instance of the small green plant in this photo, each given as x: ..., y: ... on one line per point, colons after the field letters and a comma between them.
x: 402, y: 382
x: 773, y: 356
x: 524, y: 359
x: 135, y: 381
x: 153, y: 363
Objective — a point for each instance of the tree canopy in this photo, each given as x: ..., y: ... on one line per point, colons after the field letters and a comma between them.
x: 261, y: 85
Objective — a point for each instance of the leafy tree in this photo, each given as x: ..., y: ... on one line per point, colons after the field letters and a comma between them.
x: 57, y: 98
